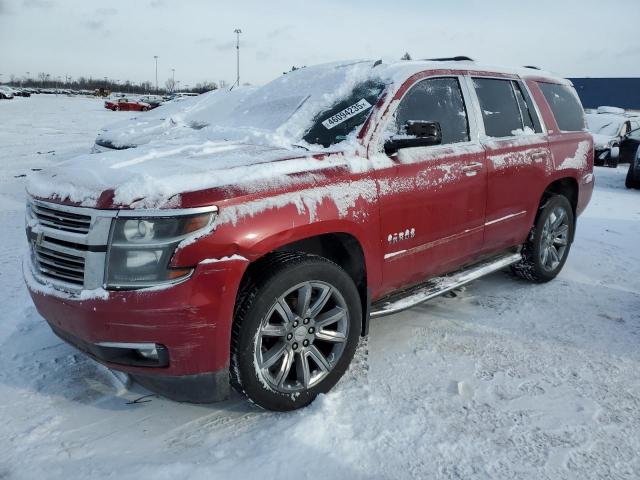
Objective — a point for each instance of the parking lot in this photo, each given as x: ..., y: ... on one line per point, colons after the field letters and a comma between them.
x: 502, y: 379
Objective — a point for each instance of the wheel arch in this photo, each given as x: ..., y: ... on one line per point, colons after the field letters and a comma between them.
x: 568, y: 188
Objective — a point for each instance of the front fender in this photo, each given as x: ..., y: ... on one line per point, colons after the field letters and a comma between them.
x: 261, y: 225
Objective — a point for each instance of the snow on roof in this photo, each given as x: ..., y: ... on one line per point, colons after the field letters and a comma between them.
x: 410, y: 67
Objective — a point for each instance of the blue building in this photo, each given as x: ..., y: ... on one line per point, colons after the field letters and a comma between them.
x: 614, y: 92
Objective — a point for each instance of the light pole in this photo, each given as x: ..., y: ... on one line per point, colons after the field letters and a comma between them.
x: 156, y: 58
x: 237, y: 31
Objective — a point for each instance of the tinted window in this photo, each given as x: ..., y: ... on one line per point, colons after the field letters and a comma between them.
x: 565, y: 106
x: 527, y: 112
x: 436, y: 100
x: 500, y: 110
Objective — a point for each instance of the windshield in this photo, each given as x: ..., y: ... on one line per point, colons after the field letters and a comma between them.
x: 334, y: 125
x: 604, y: 124
x: 318, y: 105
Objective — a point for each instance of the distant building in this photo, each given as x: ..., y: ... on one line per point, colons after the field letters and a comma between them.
x: 614, y: 92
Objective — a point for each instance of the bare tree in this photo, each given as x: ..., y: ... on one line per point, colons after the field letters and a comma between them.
x: 170, y: 85
x: 406, y: 56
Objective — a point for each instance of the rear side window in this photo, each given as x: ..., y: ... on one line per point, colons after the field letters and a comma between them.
x: 565, y: 106
x: 527, y: 111
x: 436, y: 100
x: 500, y: 109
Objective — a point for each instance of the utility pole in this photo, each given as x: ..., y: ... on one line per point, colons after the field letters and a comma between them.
x: 156, y: 58
x: 237, y: 31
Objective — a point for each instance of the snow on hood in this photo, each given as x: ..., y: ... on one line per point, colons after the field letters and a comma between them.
x: 601, y: 141
x: 151, y: 177
x: 604, y: 125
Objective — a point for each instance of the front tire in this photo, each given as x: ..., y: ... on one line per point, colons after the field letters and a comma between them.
x: 613, y: 158
x: 546, y: 251
x: 629, y: 181
x: 296, y: 329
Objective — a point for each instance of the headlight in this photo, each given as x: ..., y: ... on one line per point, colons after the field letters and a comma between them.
x: 140, y: 249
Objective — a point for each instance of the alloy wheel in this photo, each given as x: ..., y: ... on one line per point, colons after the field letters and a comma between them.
x: 554, y: 239
x: 302, y: 337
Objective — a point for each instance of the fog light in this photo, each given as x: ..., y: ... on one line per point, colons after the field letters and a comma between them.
x: 150, y: 353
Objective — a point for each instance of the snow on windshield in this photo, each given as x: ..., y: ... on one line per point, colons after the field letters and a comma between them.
x: 171, y: 118
x: 279, y: 113
x: 603, y: 124
x: 283, y: 110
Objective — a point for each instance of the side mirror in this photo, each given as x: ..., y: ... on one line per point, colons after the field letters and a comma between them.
x: 418, y: 133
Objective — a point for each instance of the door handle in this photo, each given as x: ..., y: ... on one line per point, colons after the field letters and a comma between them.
x: 472, y: 169
x: 539, y: 156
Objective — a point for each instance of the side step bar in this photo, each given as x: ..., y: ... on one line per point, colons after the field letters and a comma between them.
x: 406, y: 299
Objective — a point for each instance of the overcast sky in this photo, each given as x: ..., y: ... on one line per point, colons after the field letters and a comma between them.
x: 118, y: 38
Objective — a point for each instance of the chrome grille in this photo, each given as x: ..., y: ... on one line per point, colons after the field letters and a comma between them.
x: 58, y: 265
x: 61, y: 220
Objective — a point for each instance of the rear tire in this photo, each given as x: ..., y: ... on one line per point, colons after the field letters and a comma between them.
x: 547, y: 248
x: 297, y: 324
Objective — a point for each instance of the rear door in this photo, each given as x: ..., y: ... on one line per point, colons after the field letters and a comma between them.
x: 432, y: 198
x: 518, y: 159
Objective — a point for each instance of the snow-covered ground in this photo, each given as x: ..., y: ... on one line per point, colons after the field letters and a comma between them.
x: 503, y: 380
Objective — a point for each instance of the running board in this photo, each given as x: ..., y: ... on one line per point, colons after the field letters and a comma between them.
x: 403, y: 300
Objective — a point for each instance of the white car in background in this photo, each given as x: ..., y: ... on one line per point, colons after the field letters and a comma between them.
x: 616, y: 135
x: 6, y: 93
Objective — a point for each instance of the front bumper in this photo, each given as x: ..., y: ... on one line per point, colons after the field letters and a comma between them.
x: 191, y: 320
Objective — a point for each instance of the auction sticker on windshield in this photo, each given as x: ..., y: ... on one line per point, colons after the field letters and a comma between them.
x: 346, y: 114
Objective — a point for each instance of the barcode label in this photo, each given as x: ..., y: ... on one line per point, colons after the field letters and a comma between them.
x: 346, y: 114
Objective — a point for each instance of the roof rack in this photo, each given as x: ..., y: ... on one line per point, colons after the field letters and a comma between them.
x: 459, y: 58
x: 533, y: 67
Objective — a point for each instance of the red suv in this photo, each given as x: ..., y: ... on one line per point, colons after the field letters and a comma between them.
x: 254, y: 251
